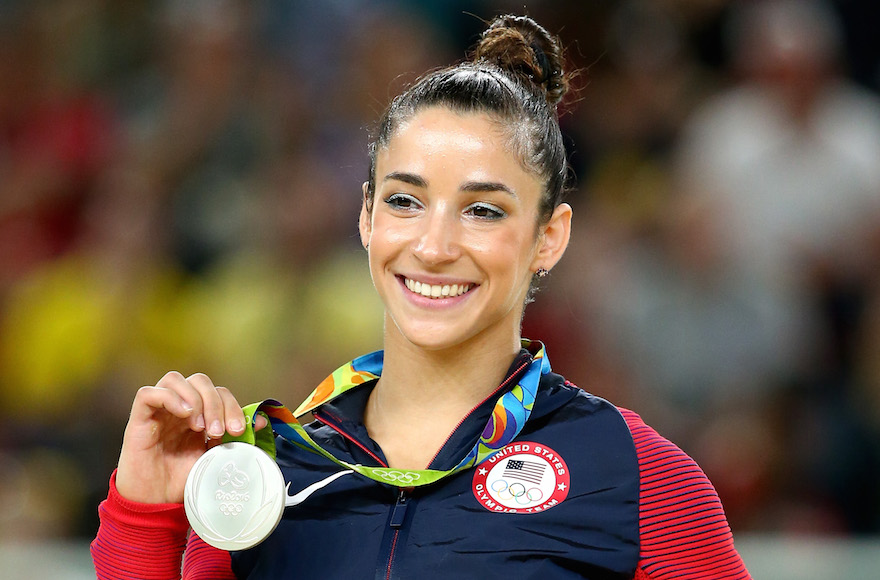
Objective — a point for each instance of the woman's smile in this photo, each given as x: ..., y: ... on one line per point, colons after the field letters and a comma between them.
x: 436, y: 291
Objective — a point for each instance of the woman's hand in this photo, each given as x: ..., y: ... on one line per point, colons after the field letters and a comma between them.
x: 171, y: 425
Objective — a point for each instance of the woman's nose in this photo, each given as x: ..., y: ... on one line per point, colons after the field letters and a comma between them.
x: 438, y: 241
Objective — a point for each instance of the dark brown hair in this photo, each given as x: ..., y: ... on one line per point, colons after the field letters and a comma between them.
x: 516, y: 76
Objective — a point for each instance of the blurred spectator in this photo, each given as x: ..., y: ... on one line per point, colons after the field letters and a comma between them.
x: 55, y: 130
x: 790, y: 153
x: 787, y: 160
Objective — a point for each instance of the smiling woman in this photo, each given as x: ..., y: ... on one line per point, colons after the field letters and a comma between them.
x: 454, y: 208
x: 465, y: 454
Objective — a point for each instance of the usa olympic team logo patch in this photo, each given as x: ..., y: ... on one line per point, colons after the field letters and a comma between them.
x: 523, y: 477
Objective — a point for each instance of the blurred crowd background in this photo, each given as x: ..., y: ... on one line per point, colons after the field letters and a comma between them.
x: 180, y: 183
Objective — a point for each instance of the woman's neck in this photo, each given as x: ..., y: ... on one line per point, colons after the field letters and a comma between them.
x: 423, y: 395
x: 414, y: 378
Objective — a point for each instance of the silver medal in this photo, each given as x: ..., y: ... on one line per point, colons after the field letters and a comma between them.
x: 234, y: 496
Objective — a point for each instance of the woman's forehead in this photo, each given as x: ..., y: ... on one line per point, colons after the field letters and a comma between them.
x: 448, y: 141
x: 466, y: 136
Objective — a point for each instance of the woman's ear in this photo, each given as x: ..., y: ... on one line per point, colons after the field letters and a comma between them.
x: 365, y: 224
x: 553, y: 238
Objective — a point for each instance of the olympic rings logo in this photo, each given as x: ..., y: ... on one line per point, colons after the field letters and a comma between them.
x: 398, y: 476
x: 231, y: 509
x: 517, y: 492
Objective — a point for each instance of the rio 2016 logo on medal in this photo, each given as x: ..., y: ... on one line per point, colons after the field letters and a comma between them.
x: 522, y: 478
x: 234, y: 496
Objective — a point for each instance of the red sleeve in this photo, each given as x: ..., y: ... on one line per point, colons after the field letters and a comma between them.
x: 146, y: 542
x: 683, y: 530
x: 205, y: 562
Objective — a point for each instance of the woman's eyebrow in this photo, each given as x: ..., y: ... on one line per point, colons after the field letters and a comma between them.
x: 469, y: 186
x: 479, y: 186
x: 410, y: 178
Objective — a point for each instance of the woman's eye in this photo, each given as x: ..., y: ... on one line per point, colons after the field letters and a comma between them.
x: 486, y: 211
x: 401, y: 201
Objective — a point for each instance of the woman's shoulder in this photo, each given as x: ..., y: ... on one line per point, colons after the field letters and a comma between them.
x: 656, y: 454
x: 655, y: 451
x: 681, y: 519
x: 560, y: 393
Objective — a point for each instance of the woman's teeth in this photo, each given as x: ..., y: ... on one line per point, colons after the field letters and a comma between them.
x: 436, y: 290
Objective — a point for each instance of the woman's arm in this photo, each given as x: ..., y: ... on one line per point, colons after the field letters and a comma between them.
x: 143, y: 525
x: 683, y: 530
x: 146, y: 541
x: 138, y: 540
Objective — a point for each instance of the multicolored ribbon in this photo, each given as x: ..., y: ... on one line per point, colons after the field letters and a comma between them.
x: 511, y: 411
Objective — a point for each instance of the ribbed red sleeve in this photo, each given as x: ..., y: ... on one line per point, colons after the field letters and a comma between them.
x: 146, y: 542
x: 205, y: 562
x: 683, y: 530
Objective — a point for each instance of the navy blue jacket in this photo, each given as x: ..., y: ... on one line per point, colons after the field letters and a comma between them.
x: 560, y: 501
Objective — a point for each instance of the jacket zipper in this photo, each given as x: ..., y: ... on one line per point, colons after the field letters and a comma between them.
x: 398, y: 512
x: 395, y: 522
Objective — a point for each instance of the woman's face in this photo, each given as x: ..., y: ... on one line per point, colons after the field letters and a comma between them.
x: 453, y: 234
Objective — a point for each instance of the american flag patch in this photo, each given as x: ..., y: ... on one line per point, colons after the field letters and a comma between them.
x: 530, y: 471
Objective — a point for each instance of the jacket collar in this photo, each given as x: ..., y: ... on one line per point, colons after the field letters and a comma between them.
x: 346, y: 412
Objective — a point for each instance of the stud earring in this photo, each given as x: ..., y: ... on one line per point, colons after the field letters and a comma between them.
x: 542, y: 272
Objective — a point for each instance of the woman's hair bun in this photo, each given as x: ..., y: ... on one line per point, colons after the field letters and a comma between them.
x: 524, y: 47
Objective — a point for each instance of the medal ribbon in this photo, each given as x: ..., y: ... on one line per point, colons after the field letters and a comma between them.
x: 509, y: 416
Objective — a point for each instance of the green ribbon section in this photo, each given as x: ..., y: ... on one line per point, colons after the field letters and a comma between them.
x: 264, y: 438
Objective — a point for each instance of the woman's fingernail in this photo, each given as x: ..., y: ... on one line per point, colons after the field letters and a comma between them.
x: 216, y: 429
x: 235, y: 425
x: 200, y: 422
x: 186, y: 406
